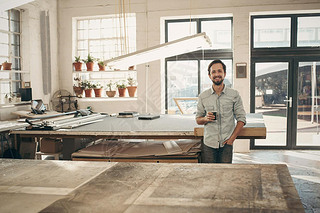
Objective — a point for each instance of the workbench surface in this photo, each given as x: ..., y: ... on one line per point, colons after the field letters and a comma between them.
x: 167, y: 126
x: 67, y: 186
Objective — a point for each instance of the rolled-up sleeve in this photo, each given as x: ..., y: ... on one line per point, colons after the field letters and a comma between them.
x: 200, y: 109
x: 239, y: 113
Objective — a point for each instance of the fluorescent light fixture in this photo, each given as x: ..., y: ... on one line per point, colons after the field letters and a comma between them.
x: 9, y: 4
x: 172, y: 48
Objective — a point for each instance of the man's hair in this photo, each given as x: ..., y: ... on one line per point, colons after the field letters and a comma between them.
x: 217, y: 62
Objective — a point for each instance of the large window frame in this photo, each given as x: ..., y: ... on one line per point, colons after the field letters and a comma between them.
x: 292, y: 54
x: 198, y: 56
x: 115, y: 39
x: 10, y: 81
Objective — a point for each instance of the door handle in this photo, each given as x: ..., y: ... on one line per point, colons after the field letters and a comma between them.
x: 289, y: 101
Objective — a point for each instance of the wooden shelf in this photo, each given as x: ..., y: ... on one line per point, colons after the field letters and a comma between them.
x: 13, y: 71
x: 107, y: 71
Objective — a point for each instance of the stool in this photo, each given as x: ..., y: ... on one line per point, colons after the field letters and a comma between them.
x: 55, y: 155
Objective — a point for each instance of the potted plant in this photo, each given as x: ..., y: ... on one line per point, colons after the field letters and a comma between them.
x: 101, y: 65
x: 79, y: 87
x: 111, y: 90
x: 97, y: 88
x: 77, y: 63
x: 132, y: 88
x: 89, y: 62
x: 87, y: 88
x: 6, y: 65
x: 121, y: 88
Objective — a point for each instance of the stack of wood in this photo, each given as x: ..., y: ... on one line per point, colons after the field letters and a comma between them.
x: 178, y: 151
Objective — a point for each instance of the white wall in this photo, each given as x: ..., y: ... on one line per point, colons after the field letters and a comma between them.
x: 31, y: 52
x: 31, y: 46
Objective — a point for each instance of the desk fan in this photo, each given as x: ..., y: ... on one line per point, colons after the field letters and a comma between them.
x: 64, y: 101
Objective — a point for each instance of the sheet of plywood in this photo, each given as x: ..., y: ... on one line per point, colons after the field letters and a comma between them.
x: 124, y: 149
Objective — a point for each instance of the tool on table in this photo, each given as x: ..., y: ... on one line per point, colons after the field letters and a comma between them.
x: 81, y: 117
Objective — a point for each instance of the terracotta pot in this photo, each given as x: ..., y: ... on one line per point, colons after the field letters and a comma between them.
x: 0, y: 67
x: 89, y: 66
x: 132, y: 90
x: 102, y: 67
x: 6, y: 66
x: 122, y: 92
x: 78, y: 90
x: 97, y: 92
x: 88, y: 92
x: 111, y: 93
x: 77, y: 66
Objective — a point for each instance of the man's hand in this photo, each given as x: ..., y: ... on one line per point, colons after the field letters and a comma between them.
x: 210, y: 116
x: 235, y: 133
x: 203, y: 120
x: 229, y: 142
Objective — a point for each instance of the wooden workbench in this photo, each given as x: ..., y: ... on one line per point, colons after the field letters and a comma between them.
x: 68, y: 186
x: 165, y: 127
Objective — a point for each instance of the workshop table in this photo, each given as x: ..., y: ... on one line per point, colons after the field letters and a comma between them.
x: 69, y: 186
x: 165, y: 127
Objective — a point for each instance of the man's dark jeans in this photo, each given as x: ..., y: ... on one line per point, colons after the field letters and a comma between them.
x: 220, y: 155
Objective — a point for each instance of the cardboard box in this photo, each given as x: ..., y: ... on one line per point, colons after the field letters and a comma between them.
x: 50, y: 145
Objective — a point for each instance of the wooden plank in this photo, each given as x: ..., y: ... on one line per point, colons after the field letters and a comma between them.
x: 246, y: 133
x: 182, y: 160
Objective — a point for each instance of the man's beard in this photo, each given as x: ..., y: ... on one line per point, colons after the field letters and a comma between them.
x: 217, y: 83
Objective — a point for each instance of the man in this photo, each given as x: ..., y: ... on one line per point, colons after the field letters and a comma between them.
x: 220, y: 130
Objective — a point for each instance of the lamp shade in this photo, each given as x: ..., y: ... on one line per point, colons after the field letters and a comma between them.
x: 172, y: 48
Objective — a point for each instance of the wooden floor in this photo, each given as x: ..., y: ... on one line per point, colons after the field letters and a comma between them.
x: 61, y: 186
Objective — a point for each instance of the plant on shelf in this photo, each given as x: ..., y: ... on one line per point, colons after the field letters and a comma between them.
x: 132, y: 88
x: 6, y: 65
x: 77, y: 63
x: 8, y: 98
x: 87, y: 88
x: 121, y: 85
x: 97, y: 88
x: 78, y: 87
x: 111, y: 92
x: 102, y: 66
x: 89, y: 62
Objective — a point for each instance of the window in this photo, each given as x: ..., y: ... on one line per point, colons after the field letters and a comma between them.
x: 104, y: 38
x: 10, y: 81
x: 272, y: 32
x: 308, y: 31
x: 284, y: 78
x: 186, y: 74
x: 286, y: 31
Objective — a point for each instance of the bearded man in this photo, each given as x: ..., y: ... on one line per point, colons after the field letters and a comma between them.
x: 218, y: 108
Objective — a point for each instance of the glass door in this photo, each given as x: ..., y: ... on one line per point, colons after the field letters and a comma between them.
x: 308, y: 106
x: 271, y: 100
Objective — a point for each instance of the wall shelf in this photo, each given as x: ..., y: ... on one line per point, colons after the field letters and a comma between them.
x: 107, y: 71
x: 13, y: 71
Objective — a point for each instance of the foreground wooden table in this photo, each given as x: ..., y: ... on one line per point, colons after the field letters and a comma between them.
x: 60, y: 186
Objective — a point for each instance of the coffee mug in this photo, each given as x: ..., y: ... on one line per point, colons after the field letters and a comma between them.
x: 215, y: 115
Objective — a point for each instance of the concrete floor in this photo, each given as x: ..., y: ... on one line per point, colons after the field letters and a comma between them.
x: 304, y: 167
